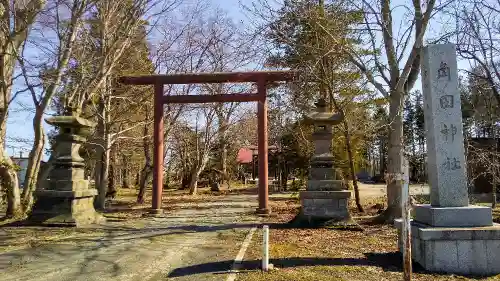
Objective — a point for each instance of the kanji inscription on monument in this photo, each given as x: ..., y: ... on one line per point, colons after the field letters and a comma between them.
x: 449, y: 132
x: 444, y: 71
x: 446, y: 101
x: 444, y: 130
x: 451, y: 164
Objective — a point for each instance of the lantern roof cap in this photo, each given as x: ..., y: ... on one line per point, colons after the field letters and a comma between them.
x: 71, y: 121
x: 322, y: 116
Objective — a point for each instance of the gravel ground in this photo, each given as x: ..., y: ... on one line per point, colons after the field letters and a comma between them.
x: 166, y: 248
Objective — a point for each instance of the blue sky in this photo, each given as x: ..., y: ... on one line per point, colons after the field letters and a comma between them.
x: 19, y: 128
x: 19, y: 125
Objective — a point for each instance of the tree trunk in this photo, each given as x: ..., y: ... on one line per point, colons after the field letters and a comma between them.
x: 146, y: 173
x: 8, y: 175
x: 137, y: 178
x: 382, y: 163
x: 126, y: 177
x: 111, y: 177
x: 10, y: 184
x: 195, y: 174
x: 494, y: 192
x: 185, y: 179
x: 347, y: 136
x: 102, y: 164
x: 495, y: 174
x: 168, y: 174
x: 222, y: 132
x: 102, y: 174
x: 224, y: 164
x: 125, y: 172
x: 147, y: 170
x: 193, y: 183
x: 395, y: 151
x: 284, y: 176
x: 35, y: 157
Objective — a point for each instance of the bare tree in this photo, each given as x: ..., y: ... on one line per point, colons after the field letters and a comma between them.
x: 204, y: 141
x: 483, y: 162
x: 229, y: 49
x: 17, y: 19
x: 172, y: 115
x: 113, y: 26
x: 207, y: 41
x: 181, y: 50
x: 483, y: 115
x: 476, y: 35
x: 47, y: 79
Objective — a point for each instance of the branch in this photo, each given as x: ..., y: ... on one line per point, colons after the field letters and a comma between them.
x: 377, y: 62
x: 386, y: 26
x: 415, y: 52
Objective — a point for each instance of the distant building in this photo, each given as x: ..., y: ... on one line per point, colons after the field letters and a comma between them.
x: 23, y: 163
x: 248, y: 158
x: 245, y: 156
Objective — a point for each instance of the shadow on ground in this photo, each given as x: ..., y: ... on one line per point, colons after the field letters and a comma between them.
x: 118, y: 233
x: 387, y: 261
x: 100, y: 252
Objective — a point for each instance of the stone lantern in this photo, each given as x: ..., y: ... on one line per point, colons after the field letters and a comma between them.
x: 66, y: 198
x: 326, y: 197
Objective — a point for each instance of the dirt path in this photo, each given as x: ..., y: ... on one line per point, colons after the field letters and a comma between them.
x: 378, y: 190
x: 148, y: 249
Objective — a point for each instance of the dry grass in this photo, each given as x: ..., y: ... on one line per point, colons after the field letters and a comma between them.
x: 327, y: 255
x: 125, y: 206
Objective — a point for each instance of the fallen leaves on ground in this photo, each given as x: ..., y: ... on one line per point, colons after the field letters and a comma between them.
x: 496, y: 214
x: 14, y: 238
x: 330, y: 255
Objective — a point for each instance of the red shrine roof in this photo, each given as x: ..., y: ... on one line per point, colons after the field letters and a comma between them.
x: 245, y: 153
x: 244, y: 156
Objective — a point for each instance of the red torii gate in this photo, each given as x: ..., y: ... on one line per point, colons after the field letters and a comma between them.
x: 261, y: 78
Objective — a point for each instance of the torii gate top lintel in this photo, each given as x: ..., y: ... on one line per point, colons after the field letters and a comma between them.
x: 215, y: 77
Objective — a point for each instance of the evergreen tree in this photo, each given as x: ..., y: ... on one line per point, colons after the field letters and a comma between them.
x: 381, y: 138
x: 419, y: 121
x: 409, y: 125
x: 420, y: 140
x: 301, y: 38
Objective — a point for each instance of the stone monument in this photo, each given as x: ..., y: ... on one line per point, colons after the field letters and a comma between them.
x: 67, y: 198
x: 326, y: 197
x: 449, y: 235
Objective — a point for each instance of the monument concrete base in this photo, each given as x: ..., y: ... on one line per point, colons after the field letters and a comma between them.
x: 459, y: 250
x: 470, y: 216
x: 65, y: 208
x: 325, y: 204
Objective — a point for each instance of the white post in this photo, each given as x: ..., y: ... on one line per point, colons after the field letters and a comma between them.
x: 406, y: 227
x: 265, y: 248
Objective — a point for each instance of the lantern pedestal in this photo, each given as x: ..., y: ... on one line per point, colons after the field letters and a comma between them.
x: 67, y: 199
